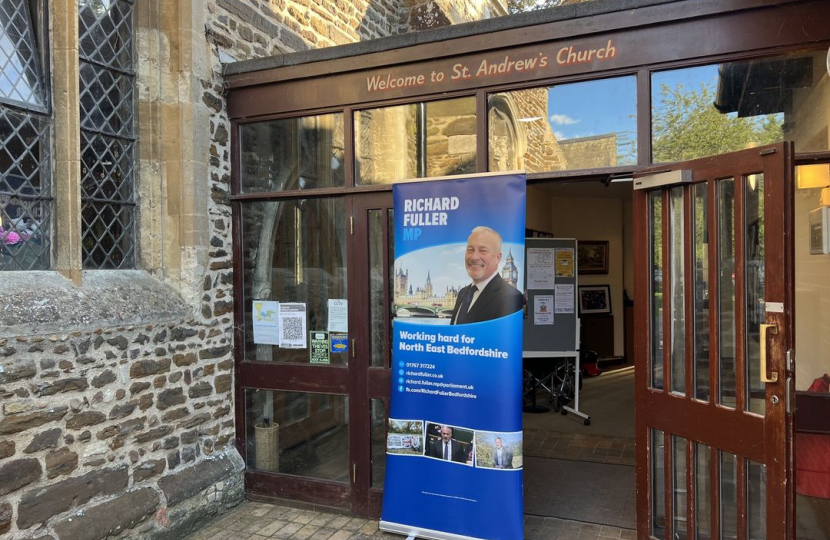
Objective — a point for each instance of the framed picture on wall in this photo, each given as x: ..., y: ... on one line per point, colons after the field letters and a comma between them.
x: 595, y: 299
x: 592, y: 257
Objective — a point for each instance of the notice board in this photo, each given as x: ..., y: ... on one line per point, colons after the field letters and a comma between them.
x: 551, y: 324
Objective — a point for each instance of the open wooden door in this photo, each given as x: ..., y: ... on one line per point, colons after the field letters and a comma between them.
x: 713, y: 327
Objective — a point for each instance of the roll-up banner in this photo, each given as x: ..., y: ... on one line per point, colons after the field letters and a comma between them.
x: 454, y: 445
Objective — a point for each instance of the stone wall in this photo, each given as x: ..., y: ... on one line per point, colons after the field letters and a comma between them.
x: 93, y: 420
x: 254, y: 29
x: 590, y: 152
x: 426, y: 14
x: 117, y: 413
x: 117, y: 416
x: 521, y: 136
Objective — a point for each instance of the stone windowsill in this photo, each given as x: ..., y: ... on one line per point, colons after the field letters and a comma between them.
x: 37, y: 303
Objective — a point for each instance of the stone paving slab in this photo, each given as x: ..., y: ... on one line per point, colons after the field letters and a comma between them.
x: 581, y: 447
x: 261, y: 521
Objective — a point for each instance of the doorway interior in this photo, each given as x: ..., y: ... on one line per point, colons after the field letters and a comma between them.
x: 565, y: 459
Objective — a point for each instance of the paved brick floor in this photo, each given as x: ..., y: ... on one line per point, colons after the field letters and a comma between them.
x: 260, y: 521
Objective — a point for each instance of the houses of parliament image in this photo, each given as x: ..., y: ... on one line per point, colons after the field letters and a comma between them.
x: 425, y: 301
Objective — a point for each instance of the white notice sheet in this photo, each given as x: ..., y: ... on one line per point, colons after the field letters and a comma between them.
x: 338, y: 315
x: 265, y: 316
x: 543, y: 309
x: 564, y: 298
x: 540, y: 268
x: 293, y: 326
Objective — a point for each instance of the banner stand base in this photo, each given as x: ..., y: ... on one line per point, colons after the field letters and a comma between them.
x: 417, y: 532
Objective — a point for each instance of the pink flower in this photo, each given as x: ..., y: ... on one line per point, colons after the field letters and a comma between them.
x: 12, y: 238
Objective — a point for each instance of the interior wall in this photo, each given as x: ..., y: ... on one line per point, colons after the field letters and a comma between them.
x: 628, y: 247
x: 538, y: 210
x: 596, y: 219
x: 812, y: 298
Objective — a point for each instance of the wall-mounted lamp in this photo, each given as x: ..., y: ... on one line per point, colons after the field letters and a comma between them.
x: 812, y: 176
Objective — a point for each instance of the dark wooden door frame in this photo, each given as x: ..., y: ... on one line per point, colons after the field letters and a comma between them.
x: 368, y: 382
x: 764, y: 440
x: 288, y: 377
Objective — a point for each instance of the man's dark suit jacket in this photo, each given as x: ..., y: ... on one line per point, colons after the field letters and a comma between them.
x: 457, y: 452
x: 498, y: 299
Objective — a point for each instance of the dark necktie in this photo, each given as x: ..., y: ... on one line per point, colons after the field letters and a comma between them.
x: 446, y: 451
x: 461, y: 316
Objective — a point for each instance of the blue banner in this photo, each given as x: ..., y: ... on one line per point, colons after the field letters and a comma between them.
x: 454, y: 445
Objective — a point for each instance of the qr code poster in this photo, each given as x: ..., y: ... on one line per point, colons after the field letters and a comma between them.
x: 293, y: 326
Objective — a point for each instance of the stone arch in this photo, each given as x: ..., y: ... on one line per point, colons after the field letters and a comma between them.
x: 508, y: 140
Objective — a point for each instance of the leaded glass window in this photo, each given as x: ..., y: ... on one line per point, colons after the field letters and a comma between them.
x: 25, y: 185
x: 107, y: 133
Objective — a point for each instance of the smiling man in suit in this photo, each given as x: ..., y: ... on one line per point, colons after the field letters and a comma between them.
x: 488, y: 296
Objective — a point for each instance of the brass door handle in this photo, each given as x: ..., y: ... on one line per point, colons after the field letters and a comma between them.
x: 772, y: 329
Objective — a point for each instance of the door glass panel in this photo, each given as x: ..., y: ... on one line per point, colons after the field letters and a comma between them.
x: 656, y: 227
x: 658, y: 485
x: 377, y: 304
x: 728, y: 496
x: 703, y: 493
x: 292, y: 153
x: 436, y: 138
x: 679, y: 486
x: 726, y: 292
x: 299, y: 433
x: 390, y: 224
x: 756, y: 504
x: 701, y: 322
x: 378, y: 443
x: 755, y: 307
x: 292, y: 251
x: 551, y: 129
x: 678, y: 304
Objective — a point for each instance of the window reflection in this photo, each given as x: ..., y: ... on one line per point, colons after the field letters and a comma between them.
x: 437, y: 138
x: 293, y: 251
x: 378, y: 441
x: 655, y: 204
x: 720, y: 108
x: 21, y: 82
x: 570, y: 126
x: 300, y: 433
x: 292, y: 153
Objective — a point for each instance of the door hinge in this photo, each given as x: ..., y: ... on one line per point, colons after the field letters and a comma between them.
x: 790, y: 360
x: 768, y: 151
x: 353, y: 353
x: 354, y: 473
x: 351, y: 224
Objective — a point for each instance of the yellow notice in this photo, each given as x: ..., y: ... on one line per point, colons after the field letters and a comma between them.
x: 565, y: 262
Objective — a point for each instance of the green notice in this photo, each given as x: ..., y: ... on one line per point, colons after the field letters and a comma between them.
x: 319, y: 347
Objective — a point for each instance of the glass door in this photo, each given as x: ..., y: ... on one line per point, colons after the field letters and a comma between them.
x: 371, y: 310
x: 296, y: 422
x: 714, y: 315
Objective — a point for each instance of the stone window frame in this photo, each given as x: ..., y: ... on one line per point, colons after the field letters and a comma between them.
x: 170, y: 181
x: 173, y: 175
